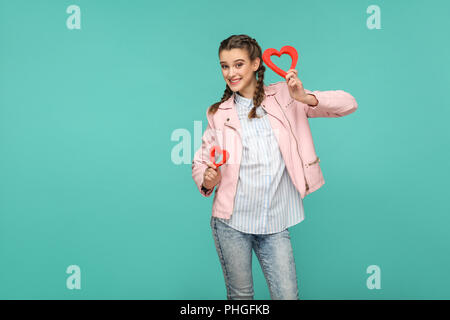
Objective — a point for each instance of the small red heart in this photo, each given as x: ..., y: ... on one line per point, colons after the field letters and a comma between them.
x: 273, y: 52
x: 212, y: 157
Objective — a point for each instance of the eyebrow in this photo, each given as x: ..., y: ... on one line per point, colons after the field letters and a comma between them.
x: 234, y: 60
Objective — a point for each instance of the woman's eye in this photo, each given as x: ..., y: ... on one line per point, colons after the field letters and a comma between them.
x: 238, y: 65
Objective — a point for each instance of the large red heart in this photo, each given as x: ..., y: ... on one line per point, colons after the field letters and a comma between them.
x: 212, y: 156
x: 273, y: 52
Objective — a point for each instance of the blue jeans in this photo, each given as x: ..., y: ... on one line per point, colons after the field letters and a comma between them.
x: 275, y: 255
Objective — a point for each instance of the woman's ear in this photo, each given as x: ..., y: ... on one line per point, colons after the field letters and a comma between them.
x: 256, y: 63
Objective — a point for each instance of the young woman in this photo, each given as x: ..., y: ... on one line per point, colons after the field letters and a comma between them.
x: 272, y: 166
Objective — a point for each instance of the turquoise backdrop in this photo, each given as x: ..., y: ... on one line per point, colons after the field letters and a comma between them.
x: 88, y: 177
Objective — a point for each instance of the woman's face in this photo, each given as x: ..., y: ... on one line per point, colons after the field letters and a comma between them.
x: 236, y: 65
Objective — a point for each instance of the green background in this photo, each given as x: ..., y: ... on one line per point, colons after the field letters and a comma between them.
x: 86, y: 118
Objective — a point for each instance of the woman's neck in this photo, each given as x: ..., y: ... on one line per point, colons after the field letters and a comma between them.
x: 249, y: 91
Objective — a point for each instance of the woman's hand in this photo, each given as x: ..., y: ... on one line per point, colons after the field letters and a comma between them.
x: 295, y: 86
x: 212, y: 176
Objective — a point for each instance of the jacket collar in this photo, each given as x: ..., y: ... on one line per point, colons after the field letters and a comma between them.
x: 232, y: 116
x: 228, y: 104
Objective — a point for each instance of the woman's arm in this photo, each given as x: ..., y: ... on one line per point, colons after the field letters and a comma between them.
x: 311, y: 100
x: 332, y: 103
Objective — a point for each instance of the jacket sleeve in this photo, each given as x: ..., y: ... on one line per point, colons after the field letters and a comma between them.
x: 332, y: 103
x: 201, y: 157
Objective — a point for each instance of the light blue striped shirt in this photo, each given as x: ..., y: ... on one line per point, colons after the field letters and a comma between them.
x: 266, y: 200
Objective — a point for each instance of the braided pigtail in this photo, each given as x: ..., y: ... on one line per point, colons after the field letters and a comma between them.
x: 259, y: 92
x: 226, y: 95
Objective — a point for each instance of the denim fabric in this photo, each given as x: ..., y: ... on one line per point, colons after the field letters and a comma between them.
x: 275, y: 255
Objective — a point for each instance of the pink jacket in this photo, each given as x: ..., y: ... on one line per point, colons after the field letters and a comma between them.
x: 288, y: 118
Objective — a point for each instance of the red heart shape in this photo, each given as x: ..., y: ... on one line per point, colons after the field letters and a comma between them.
x: 273, y: 52
x: 212, y: 156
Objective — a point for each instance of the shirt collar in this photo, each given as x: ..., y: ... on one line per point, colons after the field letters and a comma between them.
x: 246, y: 102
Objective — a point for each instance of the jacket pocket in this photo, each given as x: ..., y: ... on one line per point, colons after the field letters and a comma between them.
x: 313, y: 172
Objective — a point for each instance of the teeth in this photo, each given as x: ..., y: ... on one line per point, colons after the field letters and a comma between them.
x: 235, y: 80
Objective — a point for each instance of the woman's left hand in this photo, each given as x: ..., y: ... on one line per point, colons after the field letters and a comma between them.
x: 295, y: 86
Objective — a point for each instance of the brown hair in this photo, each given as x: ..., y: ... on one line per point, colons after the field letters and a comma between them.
x: 254, y: 51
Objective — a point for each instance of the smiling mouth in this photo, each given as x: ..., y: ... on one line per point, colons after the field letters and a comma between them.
x: 235, y: 82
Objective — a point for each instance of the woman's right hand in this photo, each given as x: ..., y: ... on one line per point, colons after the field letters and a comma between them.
x: 212, y: 176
